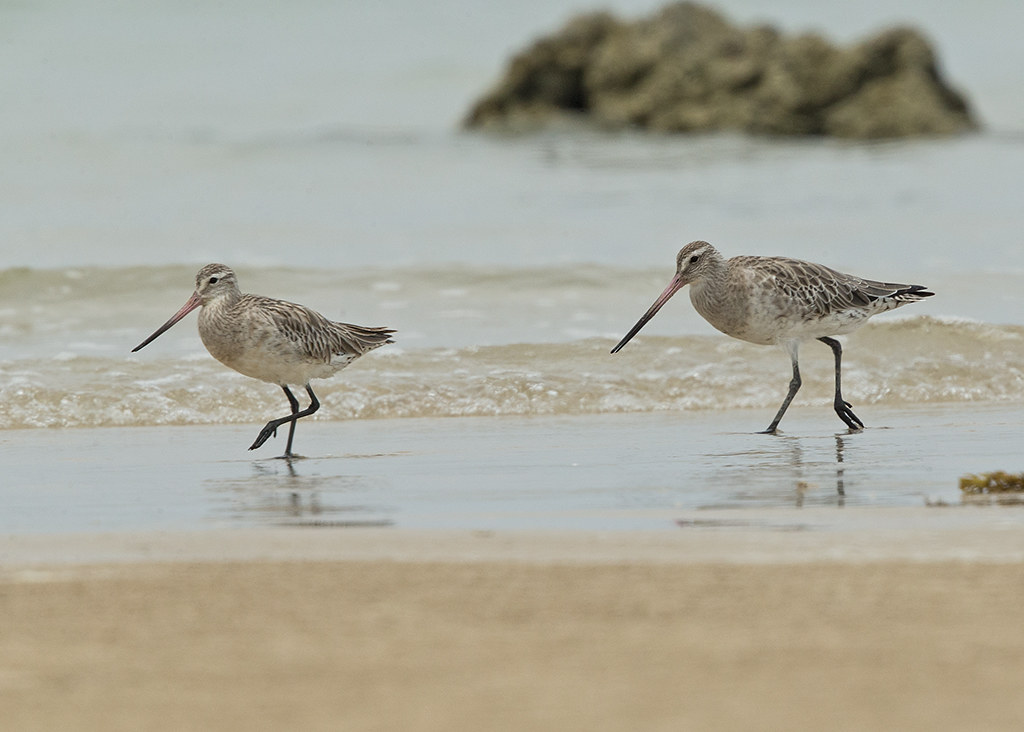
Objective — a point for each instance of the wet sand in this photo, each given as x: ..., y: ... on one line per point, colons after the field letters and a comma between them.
x: 623, y: 472
x: 515, y: 574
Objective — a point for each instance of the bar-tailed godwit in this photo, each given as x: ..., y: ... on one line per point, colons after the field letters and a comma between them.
x: 780, y: 301
x: 272, y: 340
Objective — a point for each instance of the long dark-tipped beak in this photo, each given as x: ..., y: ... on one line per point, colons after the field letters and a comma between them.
x: 673, y: 287
x: 193, y: 302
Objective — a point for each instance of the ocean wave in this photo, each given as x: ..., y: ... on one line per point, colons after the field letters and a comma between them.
x: 911, y: 360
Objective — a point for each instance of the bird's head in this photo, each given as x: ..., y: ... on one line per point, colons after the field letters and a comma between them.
x: 693, y: 262
x: 213, y: 281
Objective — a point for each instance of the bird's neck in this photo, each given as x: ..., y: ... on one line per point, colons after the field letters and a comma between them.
x: 711, y: 286
x: 218, y: 322
x: 219, y: 307
x: 224, y: 300
x: 710, y: 293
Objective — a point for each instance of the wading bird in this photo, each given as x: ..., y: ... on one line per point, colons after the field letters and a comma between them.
x: 780, y: 301
x: 272, y: 340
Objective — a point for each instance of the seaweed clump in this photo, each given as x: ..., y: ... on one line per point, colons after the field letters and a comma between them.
x: 998, y: 486
x: 998, y: 481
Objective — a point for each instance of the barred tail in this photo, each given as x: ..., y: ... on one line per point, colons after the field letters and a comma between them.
x: 870, y: 290
x: 911, y: 293
x: 361, y: 338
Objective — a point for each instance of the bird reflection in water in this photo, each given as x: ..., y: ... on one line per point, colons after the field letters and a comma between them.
x: 277, y: 493
x: 803, y: 486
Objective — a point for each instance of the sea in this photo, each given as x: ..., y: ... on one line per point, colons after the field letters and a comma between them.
x: 316, y: 147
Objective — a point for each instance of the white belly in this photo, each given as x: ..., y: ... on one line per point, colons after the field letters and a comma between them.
x: 282, y: 368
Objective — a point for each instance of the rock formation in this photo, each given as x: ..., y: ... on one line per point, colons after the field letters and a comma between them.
x: 687, y: 69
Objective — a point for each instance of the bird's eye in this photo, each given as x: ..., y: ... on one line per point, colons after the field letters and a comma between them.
x: 694, y: 258
x: 213, y: 280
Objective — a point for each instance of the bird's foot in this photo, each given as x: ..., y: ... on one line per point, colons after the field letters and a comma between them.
x: 265, y: 434
x: 845, y: 412
x: 289, y: 456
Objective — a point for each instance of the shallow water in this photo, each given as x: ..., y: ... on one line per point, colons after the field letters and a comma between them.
x: 316, y: 150
x: 610, y: 472
x: 508, y: 266
x: 470, y: 342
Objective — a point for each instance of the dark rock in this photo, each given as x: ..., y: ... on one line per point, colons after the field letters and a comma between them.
x: 548, y: 77
x: 687, y: 69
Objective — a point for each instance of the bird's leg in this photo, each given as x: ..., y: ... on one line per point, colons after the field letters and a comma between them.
x: 842, y: 407
x: 794, y: 387
x: 291, y: 428
x: 270, y: 429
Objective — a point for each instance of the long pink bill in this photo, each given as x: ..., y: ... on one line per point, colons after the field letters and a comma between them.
x: 188, y: 307
x: 673, y: 287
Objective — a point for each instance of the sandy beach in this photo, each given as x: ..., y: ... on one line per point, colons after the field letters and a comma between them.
x: 521, y: 632
x: 539, y: 573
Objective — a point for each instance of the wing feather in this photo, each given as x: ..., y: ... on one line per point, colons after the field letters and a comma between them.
x: 317, y: 337
x: 822, y: 290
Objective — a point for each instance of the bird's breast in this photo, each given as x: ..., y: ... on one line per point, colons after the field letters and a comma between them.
x: 731, y: 312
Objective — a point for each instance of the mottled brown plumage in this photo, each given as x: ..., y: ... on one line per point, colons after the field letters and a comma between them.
x: 280, y: 342
x: 780, y: 301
